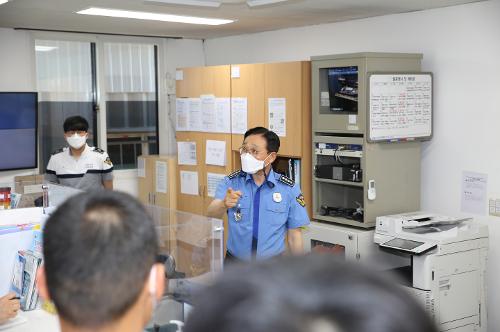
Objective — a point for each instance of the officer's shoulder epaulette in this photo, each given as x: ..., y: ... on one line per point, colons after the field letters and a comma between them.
x: 236, y: 174
x: 58, y: 151
x: 286, y: 180
x: 101, y: 151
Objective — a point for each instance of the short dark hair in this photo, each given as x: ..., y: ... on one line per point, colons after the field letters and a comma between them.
x: 273, y: 141
x: 76, y: 123
x: 98, y: 248
x: 306, y: 294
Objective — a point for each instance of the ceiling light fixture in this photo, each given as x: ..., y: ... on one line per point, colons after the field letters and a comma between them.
x: 153, y: 16
x: 42, y: 48
x: 3, y: 1
x: 200, y: 3
x: 255, y: 3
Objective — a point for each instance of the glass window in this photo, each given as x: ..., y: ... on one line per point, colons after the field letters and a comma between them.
x: 131, y: 102
x: 64, y: 84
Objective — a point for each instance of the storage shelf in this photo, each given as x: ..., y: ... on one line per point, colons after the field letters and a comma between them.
x: 344, y: 183
x: 339, y: 153
x: 339, y: 220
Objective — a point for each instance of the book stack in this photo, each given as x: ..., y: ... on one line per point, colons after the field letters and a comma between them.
x: 24, y: 278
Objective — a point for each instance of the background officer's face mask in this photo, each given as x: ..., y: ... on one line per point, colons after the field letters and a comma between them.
x: 250, y: 164
x: 76, y: 141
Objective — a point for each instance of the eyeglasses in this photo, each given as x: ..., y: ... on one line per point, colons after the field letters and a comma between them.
x: 72, y: 132
x: 252, y: 151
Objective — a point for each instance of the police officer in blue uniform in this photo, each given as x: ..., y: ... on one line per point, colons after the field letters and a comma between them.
x: 262, y: 206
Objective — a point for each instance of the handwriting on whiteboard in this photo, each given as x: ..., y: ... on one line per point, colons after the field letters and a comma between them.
x: 400, y: 106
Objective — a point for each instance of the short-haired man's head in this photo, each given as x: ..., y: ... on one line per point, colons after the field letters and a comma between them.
x: 306, y: 294
x: 76, y: 123
x: 272, y: 140
x: 99, y: 249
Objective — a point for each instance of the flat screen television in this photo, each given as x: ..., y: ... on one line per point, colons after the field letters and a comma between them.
x: 343, y: 89
x: 18, y: 130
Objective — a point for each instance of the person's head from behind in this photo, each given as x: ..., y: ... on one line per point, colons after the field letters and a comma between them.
x: 306, y: 294
x: 76, y: 131
x: 100, y: 261
x: 259, y: 149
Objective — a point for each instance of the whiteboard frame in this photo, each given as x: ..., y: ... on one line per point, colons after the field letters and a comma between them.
x: 398, y: 140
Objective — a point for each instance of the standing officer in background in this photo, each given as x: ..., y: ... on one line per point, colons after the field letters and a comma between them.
x: 262, y: 206
x: 79, y: 165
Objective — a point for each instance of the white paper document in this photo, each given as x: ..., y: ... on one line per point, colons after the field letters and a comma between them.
x: 353, y: 119
x: 189, y: 183
x: 179, y: 75
x: 235, y: 72
x: 141, y: 167
x: 33, y: 188
x: 325, y: 98
x: 208, y: 115
x: 186, y: 153
x: 194, y: 118
x: 223, y: 115
x: 215, y: 153
x: 182, y: 114
x: 213, y: 180
x: 161, y: 177
x: 277, y: 115
x: 238, y: 115
x: 474, y: 192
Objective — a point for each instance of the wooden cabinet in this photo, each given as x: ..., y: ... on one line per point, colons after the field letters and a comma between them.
x: 197, y: 81
x: 291, y: 80
x: 147, y: 181
x: 257, y: 83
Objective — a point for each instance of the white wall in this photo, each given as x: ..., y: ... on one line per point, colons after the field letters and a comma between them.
x: 461, y: 46
x: 177, y: 53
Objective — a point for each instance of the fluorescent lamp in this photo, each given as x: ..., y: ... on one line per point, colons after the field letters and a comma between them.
x: 255, y: 3
x: 41, y: 48
x: 3, y: 1
x: 200, y: 3
x: 153, y: 16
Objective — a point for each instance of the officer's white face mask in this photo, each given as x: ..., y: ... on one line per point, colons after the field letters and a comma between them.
x: 76, y: 141
x: 250, y: 164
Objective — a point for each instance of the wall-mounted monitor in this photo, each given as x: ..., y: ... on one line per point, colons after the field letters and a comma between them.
x: 18, y: 130
x: 343, y: 89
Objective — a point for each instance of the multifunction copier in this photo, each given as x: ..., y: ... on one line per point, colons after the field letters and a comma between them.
x: 447, y: 271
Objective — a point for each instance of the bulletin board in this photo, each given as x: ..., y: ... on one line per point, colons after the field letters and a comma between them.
x: 399, y: 107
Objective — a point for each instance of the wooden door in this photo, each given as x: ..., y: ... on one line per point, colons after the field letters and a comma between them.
x: 189, y: 202
x: 225, y: 170
x: 168, y: 199
x: 250, y: 84
x: 144, y: 183
x: 284, y: 80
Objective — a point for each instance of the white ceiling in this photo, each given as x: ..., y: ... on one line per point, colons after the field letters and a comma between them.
x: 60, y: 15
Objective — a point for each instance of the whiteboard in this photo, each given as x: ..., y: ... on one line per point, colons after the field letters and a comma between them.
x: 400, y: 106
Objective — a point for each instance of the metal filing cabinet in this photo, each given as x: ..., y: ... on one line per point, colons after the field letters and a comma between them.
x: 339, y: 132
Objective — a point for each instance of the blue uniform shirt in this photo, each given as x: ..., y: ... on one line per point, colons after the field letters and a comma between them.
x: 266, y: 213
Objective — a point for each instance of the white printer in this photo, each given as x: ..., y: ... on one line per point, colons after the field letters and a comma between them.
x: 448, y: 265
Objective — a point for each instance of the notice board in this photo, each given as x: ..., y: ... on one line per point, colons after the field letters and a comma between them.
x: 399, y: 107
